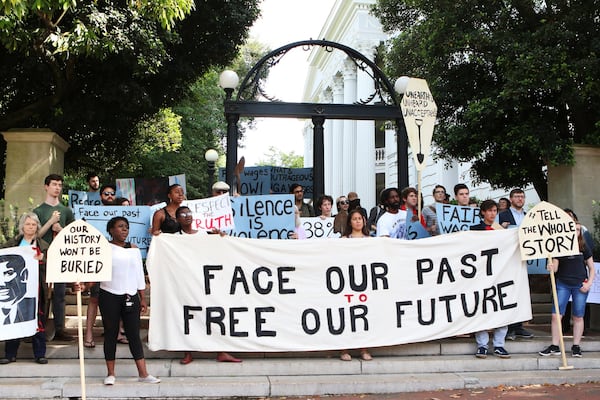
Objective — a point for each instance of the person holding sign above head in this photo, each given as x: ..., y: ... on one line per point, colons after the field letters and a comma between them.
x: 123, y: 298
x: 13, y: 287
x: 489, y: 210
x: 54, y: 216
x: 574, y: 277
x: 356, y: 227
x: 164, y: 220
x: 393, y: 222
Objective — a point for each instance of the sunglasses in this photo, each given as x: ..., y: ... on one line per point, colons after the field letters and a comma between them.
x: 108, y: 193
x: 221, y: 191
x: 186, y: 214
x: 344, y: 202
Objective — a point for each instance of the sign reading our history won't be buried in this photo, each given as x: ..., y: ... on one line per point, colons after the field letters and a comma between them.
x: 79, y: 253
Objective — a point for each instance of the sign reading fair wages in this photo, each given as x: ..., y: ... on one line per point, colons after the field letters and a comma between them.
x: 139, y: 218
x: 79, y: 253
x: 453, y: 218
x: 301, y: 295
x: 547, y: 231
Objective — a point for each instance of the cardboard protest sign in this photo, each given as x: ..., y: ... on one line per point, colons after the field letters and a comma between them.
x: 263, y: 217
x: 213, y: 212
x: 80, y: 198
x: 415, y: 230
x: 139, y: 218
x: 453, y: 218
x: 79, y: 253
x: 547, y: 231
x: 419, y: 111
x: 318, y: 228
x: 18, y: 292
x: 265, y: 180
x: 304, y: 295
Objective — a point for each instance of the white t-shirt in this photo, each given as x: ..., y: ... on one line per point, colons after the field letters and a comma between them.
x: 127, y: 271
x: 392, y: 225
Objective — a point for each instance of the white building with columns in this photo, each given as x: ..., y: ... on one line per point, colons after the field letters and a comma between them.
x: 360, y: 156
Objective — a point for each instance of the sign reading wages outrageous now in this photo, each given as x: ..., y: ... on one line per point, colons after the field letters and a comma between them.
x: 215, y: 293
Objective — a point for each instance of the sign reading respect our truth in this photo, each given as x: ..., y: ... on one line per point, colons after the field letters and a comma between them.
x: 212, y: 293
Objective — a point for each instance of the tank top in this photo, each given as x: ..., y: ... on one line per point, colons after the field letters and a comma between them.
x: 169, y: 225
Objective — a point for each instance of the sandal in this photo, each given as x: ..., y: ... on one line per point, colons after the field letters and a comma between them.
x: 345, y: 356
x: 123, y: 340
x: 187, y: 358
x: 89, y: 344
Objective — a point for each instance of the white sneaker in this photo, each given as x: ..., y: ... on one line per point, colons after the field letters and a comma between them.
x: 149, y: 379
x: 110, y: 380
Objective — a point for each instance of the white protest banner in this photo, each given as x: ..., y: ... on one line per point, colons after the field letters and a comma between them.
x: 19, y: 282
x: 453, y: 218
x: 318, y: 228
x: 139, y: 218
x: 547, y: 231
x: 79, y: 253
x: 214, y: 293
x: 213, y: 212
x: 419, y: 112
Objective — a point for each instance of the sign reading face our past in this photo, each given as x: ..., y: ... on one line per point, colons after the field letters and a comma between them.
x: 547, y: 231
x: 79, y: 253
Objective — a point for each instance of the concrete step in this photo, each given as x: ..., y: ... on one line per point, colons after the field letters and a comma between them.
x: 440, y: 364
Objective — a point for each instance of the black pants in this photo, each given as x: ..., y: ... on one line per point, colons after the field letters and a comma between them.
x: 114, y: 308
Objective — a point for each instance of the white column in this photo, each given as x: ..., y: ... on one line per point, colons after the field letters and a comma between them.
x: 327, y: 98
x: 365, y: 144
x: 337, y: 165
x: 349, y: 160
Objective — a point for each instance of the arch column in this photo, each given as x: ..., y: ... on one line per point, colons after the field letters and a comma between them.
x: 349, y: 144
x: 327, y: 98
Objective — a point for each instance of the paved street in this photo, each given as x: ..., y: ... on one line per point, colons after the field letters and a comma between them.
x: 587, y: 391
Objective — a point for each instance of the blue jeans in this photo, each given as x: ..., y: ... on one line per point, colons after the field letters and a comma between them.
x: 482, y: 338
x: 58, y: 305
x: 564, y: 292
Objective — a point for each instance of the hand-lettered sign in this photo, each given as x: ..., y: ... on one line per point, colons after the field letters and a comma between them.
x: 547, y: 231
x: 79, y: 253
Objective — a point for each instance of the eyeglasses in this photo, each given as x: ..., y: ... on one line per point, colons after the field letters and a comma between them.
x: 299, y: 191
x: 108, y: 193
x: 344, y: 202
x: 186, y: 214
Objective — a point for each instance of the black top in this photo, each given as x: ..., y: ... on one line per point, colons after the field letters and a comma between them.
x: 169, y: 225
x: 571, y: 269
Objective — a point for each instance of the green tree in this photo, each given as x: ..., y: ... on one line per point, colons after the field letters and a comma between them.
x: 175, y: 141
x: 279, y: 158
x: 516, y: 82
x: 92, y: 70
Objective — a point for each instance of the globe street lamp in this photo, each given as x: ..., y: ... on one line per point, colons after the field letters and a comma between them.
x: 211, y: 156
x: 229, y: 80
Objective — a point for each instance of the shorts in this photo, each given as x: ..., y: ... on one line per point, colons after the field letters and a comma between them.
x: 95, y: 290
x: 579, y: 299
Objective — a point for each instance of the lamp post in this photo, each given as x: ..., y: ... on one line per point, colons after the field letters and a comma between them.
x: 229, y: 80
x: 211, y: 156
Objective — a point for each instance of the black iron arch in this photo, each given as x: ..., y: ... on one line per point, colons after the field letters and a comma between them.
x: 245, y: 105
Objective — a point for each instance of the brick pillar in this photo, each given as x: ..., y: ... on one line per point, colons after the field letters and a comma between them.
x: 31, y: 155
